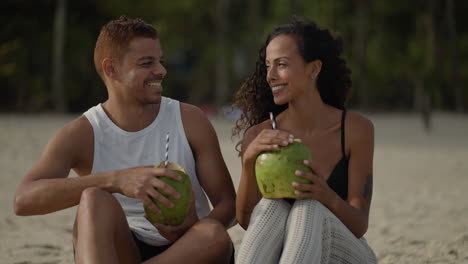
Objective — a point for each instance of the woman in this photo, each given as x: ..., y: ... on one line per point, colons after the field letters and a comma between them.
x: 301, y: 78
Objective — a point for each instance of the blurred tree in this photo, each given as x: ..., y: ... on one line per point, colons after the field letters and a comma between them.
x: 222, y: 41
x: 401, y: 53
x: 359, y: 47
x: 60, y: 99
x: 453, y: 55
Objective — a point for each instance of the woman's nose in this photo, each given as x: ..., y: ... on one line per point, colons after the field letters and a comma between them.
x: 271, y: 74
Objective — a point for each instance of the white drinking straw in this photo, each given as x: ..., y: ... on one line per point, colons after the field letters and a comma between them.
x: 273, y: 122
x: 167, y: 150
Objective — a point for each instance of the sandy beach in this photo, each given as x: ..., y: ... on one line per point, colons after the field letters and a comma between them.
x: 419, y: 211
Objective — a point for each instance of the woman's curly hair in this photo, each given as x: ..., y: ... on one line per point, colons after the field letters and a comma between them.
x: 255, y: 99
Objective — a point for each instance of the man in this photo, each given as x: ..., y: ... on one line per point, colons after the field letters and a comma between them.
x: 114, y: 146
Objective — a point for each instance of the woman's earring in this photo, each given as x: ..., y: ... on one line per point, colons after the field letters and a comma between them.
x: 312, y: 77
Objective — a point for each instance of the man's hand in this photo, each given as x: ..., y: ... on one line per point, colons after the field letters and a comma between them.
x: 172, y: 233
x: 142, y: 182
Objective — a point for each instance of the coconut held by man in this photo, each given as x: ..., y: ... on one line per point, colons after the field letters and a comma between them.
x: 275, y: 169
x: 176, y: 214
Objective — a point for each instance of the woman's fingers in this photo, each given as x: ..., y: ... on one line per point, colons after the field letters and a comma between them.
x: 314, y: 167
x: 274, y: 138
x: 277, y: 137
x: 311, y: 176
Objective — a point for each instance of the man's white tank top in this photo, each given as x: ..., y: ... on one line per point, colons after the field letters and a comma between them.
x: 116, y: 149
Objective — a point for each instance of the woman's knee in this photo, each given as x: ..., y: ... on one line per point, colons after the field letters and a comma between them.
x: 313, y: 207
x: 276, y: 207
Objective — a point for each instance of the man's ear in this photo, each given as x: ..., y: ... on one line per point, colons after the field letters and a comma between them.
x: 314, y: 68
x: 108, y: 68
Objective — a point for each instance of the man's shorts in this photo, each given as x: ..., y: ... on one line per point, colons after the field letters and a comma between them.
x: 149, y: 251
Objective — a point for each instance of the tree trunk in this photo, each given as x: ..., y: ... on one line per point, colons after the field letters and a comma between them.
x: 293, y: 7
x: 422, y: 103
x: 253, y: 22
x: 222, y: 76
x: 60, y: 100
x: 359, y: 51
x: 425, y: 103
x: 453, y: 55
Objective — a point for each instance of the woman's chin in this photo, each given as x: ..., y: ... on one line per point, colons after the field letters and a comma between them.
x: 280, y: 100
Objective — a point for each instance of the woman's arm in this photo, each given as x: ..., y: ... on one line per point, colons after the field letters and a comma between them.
x: 256, y: 140
x: 248, y: 194
x: 354, y: 212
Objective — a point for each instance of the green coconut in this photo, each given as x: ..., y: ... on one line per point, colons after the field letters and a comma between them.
x: 275, y: 169
x: 176, y: 214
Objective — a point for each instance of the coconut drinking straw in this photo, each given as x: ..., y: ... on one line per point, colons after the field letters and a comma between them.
x: 167, y: 150
x: 273, y: 122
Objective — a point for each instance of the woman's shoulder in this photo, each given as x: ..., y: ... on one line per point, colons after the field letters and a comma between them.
x: 358, y: 121
x: 358, y: 127
x: 252, y: 132
x: 256, y: 129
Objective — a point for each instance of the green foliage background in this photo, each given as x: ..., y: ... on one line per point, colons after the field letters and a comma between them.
x: 399, y: 51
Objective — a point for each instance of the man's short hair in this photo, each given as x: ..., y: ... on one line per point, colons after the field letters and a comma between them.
x: 115, y: 36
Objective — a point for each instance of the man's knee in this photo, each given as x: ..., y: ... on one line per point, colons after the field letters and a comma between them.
x: 96, y: 204
x: 214, y: 233
x: 94, y: 197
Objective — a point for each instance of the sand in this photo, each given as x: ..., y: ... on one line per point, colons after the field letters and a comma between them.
x: 419, y: 211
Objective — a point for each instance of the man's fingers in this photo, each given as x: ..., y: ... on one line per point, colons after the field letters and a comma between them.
x: 159, y: 172
x: 158, y: 196
x: 166, y: 188
x: 147, y: 201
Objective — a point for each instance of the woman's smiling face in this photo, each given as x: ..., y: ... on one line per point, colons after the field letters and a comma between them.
x: 287, y: 73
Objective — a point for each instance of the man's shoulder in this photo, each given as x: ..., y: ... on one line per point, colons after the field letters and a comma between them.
x: 80, y: 126
x: 193, y: 116
x: 72, y: 142
x: 190, y: 109
x: 197, y: 126
x: 78, y: 133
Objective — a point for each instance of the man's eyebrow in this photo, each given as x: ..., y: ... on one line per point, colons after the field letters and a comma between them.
x: 146, y: 58
x: 150, y: 58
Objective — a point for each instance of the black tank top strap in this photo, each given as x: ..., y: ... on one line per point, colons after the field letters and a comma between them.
x: 343, y: 117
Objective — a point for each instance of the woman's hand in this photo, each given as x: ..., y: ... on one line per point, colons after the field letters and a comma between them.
x: 318, y: 189
x: 267, y: 139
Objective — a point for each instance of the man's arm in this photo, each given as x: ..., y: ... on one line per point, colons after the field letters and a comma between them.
x: 212, y: 172
x: 47, y: 189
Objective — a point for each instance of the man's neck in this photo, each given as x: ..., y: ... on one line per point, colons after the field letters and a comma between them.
x: 131, y: 117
